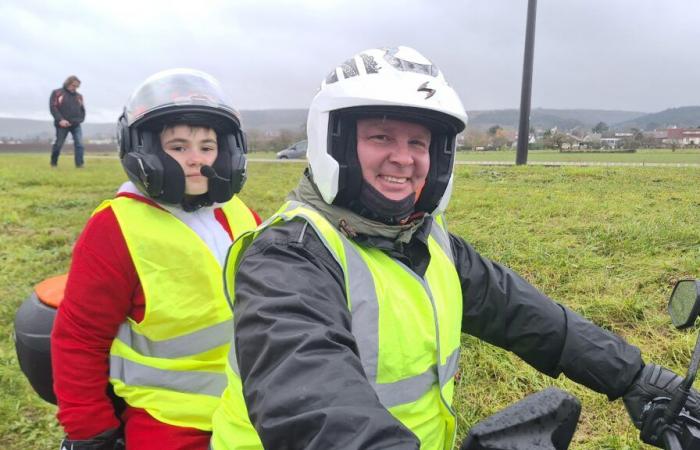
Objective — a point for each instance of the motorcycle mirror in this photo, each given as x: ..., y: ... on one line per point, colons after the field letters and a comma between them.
x: 545, y: 420
x: 684, y: 305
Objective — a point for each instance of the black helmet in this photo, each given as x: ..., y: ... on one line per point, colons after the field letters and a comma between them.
x: 174, y: 97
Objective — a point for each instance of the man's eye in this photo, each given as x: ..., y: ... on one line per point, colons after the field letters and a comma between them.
x: 380, y: 137
x: 178, y: 148
x: 208, y: 149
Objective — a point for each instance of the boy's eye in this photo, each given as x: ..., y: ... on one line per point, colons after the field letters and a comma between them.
x: 208, y: 149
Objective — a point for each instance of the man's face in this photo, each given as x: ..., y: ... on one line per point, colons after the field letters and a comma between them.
x: 394, y: 156
x: 192, y: 148
x: 73, y: 86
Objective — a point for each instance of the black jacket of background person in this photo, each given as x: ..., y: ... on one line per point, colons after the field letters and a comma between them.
x: 299, y: 361
x: 66, y: 105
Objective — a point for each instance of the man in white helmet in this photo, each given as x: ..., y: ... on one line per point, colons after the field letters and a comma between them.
x: 144, y: 315
x: 349, y: 303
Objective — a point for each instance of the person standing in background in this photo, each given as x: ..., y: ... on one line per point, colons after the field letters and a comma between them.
x: 68, y: 111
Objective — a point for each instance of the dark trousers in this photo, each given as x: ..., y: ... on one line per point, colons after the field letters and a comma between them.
x: 61, y: 134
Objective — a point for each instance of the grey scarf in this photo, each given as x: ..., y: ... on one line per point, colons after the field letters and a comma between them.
x: 348, y: 222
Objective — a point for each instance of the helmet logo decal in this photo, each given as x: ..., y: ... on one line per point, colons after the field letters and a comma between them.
x: 348, y: 69
x: 424, y: 88
x: 332, y: 77
x: 371, y: 65
x: 409, y: 66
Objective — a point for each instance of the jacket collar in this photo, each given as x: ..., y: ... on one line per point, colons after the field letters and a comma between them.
x: 355, y: 226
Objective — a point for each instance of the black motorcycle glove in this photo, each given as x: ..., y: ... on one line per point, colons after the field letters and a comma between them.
x: 109, y: 440
x: 655, y: 381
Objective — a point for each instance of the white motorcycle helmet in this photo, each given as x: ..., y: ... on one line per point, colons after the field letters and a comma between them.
x: 397, y: 83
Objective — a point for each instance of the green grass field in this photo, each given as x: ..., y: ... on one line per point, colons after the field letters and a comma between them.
x: 606, y: 241
x: 654, y: 156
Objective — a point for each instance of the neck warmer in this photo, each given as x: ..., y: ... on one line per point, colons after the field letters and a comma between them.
x: 350, y: 223
x: 372, y: 204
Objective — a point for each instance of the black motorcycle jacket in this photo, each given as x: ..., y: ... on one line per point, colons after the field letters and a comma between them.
x: 66, y: 105
x: 304, y: 385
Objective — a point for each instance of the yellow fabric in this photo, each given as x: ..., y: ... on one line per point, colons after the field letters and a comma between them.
x: 408, y: 345
x: 183, y: 287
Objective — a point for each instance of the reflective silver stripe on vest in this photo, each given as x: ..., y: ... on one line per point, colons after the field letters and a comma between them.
x: 365, y: 312
x: 411, y: 389
x: 449, y: 370
x: 442, y: 238
x: 407, y: 390
x: 442, y: 374
x: 195, y: 382
x: 194, y: 343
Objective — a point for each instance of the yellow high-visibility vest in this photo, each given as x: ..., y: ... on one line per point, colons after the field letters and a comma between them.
x: 172, y: 362
x: 407, y: 330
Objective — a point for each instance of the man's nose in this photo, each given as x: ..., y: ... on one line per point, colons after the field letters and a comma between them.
x: 401, y: 154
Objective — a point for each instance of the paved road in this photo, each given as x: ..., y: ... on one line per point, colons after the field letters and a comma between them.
x: 487, y: 163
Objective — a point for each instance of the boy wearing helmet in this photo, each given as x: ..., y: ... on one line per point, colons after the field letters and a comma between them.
x: 144, y: 312
x: 349, y: 302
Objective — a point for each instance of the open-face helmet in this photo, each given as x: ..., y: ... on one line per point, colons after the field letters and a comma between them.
x: 395, y: 83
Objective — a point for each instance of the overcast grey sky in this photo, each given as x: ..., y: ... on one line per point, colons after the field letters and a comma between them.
x: 637, y: 55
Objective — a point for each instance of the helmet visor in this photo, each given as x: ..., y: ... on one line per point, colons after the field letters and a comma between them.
x: 177, y: 88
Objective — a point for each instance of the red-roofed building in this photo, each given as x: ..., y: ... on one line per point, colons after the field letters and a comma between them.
x: 682, y: 136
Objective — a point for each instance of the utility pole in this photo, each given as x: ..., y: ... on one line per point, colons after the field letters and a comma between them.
x: 526, y: 92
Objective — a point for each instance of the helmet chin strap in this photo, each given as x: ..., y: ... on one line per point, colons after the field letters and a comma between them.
x: 373, y: 205
x: 191, y: 203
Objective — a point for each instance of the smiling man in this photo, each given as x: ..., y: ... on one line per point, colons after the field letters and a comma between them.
x: 350, y: 302
x: 394, y: 158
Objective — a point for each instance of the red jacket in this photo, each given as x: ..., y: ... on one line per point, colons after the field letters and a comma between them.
x: 103, y: 288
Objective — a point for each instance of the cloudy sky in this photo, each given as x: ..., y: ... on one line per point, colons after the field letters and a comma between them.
x: 635, y: 55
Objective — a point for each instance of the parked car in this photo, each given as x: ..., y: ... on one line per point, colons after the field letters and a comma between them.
x: 296, y: 151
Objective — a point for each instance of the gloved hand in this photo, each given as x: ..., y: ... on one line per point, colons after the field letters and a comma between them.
x: 655, y: 381
x: 111, y: 439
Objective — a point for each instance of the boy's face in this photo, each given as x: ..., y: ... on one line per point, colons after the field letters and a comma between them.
x: 394, y: 156
x: 192, y: 148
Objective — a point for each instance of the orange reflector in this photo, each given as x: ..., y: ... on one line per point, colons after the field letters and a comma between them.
x: 50, y: 291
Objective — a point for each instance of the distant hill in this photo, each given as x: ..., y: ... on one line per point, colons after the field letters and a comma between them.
x: 683, y: 117
x: 295, y: 120
x: 43, y: 129
x: 549, y: 118
x: 269, y: 119
x: 275, y: 119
